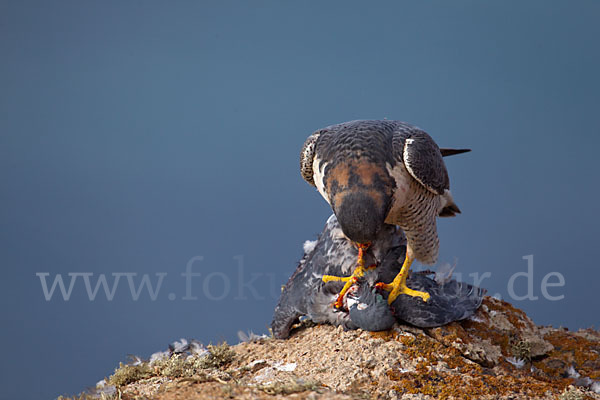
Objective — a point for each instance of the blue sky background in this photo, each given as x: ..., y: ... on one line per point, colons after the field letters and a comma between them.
x: 135, y: 135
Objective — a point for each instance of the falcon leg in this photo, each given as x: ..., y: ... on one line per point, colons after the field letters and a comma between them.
x: 398, y: 285
x: 359, y: 271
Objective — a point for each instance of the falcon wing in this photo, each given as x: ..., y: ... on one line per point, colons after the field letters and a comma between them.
x: 422, y: 158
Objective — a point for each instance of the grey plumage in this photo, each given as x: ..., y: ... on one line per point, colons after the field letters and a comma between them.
x: 421, y: 156
x: 368, y: 308
x: 452, y: 301
x: 305, y: 294
x: 379, y: 171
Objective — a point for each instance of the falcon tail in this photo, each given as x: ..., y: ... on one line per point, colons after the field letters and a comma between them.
x: 450, y: 211
x: 452, y: 152
x: 449, y: 207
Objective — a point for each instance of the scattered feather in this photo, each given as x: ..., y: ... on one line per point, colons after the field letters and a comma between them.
x: 309, y: 246
x: 279, y: 366
x: 444, y: 272
x: 517, y: 362
x: 159, y: 355
x: 572, y: 372
x: 250, y: 336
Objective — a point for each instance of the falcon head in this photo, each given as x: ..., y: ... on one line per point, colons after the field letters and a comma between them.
x: 352, y: 181
x: 360, y: 197
x: 348, y: 163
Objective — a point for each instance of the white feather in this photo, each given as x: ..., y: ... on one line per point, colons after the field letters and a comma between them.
x: 519, y: 363
x: 573, y: 372
x: 309, y: 246
x: 318, y: 175
x: 444, y: 273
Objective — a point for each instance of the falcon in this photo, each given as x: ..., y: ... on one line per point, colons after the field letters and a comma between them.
x: 377, y: 172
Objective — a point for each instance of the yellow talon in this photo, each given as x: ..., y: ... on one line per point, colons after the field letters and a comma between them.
x: 333, y: 278
x: 359, y: 271
x: 398, y: 285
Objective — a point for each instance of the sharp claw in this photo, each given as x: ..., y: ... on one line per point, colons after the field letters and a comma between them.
x: 397, y: 290
x: 403, y: 289
x: 358, y: 272
x: 398, y: 285
x: 339, y: 302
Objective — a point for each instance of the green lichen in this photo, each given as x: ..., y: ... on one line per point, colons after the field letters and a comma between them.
x: 179, y: 366
x: 218, y: 356
x: 571, y: 393
x: 87, y: 396
x: 521, y: 350
x: 127, y: 373
x: 290, y: 386
x: 176, y: 366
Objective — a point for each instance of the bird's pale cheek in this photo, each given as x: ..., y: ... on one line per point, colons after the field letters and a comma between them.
x: 318, y: 178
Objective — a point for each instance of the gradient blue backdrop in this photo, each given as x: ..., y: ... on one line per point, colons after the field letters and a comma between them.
x: 135, y: 135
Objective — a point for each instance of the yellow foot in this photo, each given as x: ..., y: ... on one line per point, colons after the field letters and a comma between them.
x: 398, y: 285
x: 359, y: 271
x: 401, y: 288
x: 333, y: 278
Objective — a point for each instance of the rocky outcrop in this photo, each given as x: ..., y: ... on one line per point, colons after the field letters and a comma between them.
x: 498, y: 353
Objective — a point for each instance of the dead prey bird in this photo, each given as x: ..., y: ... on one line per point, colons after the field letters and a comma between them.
x: 365, y: 305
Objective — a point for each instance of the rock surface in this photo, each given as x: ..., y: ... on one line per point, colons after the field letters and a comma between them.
x: 496, y: 354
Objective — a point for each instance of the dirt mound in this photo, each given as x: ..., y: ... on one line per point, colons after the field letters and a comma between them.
x: 497, y: 354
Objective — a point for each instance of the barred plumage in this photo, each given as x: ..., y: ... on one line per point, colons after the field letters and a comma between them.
x: 416, y: 214
x: 376, y: 172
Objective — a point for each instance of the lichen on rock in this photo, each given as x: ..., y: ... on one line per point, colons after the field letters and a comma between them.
x: 498, y: 353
